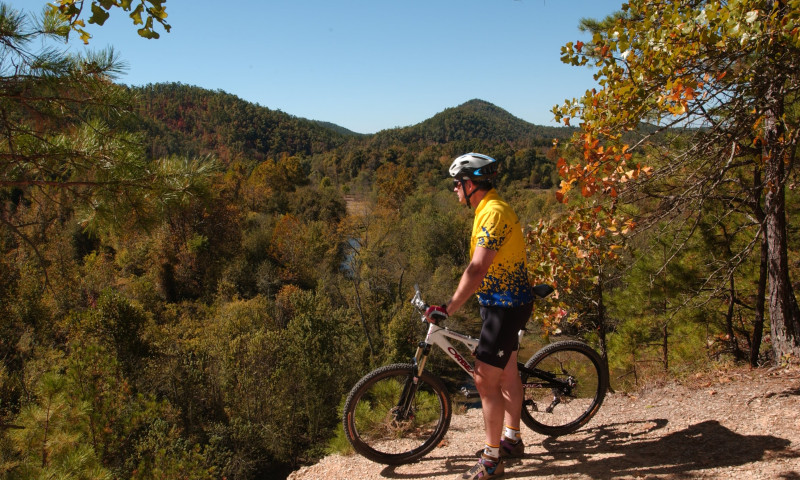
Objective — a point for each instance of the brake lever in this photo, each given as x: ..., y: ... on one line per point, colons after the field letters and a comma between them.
x: 419, y: 303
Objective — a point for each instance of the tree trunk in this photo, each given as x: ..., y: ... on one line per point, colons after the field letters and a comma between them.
x: 601, y: 320
x: 363, y: 321
x: 732, y: 340
x: 758, y: 321
x: 664, y: 347
x: 783, y: 309
x: 665, y: 332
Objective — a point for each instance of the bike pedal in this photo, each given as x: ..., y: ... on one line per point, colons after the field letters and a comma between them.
x: 469, y: 392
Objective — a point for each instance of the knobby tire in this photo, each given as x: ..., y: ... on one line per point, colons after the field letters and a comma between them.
x: 370, y: 423
x: 568, y: 361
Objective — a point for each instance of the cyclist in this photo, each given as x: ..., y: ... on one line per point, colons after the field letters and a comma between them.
x: 498, y: 273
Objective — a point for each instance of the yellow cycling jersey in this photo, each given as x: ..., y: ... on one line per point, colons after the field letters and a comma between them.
x: 497, y: 227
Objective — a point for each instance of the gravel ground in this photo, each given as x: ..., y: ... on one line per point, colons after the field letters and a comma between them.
x: 742, y: 424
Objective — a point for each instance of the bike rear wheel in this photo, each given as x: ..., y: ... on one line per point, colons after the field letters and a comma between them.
x: 376, y: 427
x: 566, y: 390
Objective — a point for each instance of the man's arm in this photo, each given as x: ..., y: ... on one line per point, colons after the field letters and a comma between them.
x: 471, y: 278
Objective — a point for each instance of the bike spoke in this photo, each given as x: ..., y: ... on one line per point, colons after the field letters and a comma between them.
x: 570, y: 388
x: 379, y: 430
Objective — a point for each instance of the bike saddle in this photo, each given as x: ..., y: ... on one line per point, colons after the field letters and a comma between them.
x: 543, y: 290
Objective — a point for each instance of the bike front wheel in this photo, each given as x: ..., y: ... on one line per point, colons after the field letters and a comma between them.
x: 564, y: 385
x: 392, y: 416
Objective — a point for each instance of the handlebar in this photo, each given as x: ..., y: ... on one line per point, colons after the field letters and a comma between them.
x: 419, y: 303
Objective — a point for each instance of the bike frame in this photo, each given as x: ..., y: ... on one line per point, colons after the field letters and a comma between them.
x: 439, y: 336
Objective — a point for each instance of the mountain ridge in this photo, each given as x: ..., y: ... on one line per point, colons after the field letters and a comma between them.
x: 187, y: 120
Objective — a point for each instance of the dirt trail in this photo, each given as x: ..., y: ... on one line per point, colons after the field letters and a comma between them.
x: 742, y: 424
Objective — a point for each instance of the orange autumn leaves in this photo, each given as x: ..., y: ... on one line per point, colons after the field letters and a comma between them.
x: 603, y: 170
x: 572, y: 250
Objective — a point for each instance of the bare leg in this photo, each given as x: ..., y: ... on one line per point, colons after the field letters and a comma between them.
x: 501, y: 397
x: 487, y: 380
x: 512, y: 392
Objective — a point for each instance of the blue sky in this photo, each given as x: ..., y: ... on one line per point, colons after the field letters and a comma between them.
x: 366, y: 65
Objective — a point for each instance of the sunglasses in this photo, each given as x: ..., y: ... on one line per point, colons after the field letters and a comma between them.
x: 456, y: 183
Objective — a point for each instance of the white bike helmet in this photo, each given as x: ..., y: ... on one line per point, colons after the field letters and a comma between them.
x: 474, y: 166
x: 477, y: 167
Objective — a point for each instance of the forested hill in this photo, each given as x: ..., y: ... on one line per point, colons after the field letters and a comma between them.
x: 187, y: 120
x: 336, y: 128
x: 475, y: 119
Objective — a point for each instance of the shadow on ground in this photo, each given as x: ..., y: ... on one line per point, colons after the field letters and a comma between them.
x: 635, y: 449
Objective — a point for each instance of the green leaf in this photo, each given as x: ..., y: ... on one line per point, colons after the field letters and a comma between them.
x: 158, y: 12
x: 144, y: 32
x: 136, y: 15
x: 99, y: 16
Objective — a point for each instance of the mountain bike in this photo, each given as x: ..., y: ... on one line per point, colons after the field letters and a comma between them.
x: 398, y: 413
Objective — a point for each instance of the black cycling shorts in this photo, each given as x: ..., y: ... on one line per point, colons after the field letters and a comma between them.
x: 500, y: 333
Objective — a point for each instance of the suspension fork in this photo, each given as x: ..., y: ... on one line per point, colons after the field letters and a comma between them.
x: 412, y: 382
